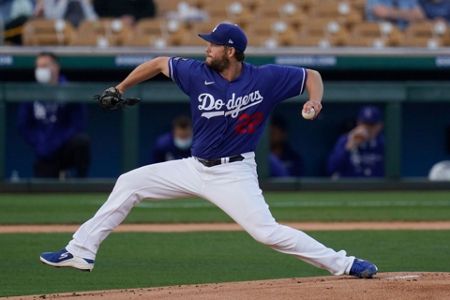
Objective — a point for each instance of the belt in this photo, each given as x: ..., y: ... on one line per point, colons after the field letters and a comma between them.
x: 223, y: 160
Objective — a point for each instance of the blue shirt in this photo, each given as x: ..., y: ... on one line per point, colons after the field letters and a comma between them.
x: 165, y: 149
x: 436, y: 9
x: 229, y: 116
x: 288, y: 164
x: 48, y: 125
x: 365, y: 161
x: 400, y: 4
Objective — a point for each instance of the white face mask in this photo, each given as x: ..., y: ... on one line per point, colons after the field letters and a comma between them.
x: 43, y: 75
x: 182, y: 144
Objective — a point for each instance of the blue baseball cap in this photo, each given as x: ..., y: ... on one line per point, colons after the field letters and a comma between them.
x: 227, y: 34
x: 369, y: 114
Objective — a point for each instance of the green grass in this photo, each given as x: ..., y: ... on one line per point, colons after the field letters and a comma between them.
x: 129, y: 260
x: 299, y: 206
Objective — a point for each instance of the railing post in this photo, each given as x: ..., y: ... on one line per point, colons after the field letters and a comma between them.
x: 393, y: 134
x: 130, y: 138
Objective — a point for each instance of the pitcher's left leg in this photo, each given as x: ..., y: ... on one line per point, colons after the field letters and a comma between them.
x: 241, y: 198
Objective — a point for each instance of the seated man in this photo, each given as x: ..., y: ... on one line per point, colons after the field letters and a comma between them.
x: 436, y: 9
x: 175, y: 144
x: 283, y: 160
x: 55, y: 130
x: 360, y: 153
x: 400, y: 12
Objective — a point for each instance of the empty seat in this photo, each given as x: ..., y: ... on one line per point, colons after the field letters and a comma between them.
x: 323, y: 31
x: 425, y: 35
x: 375, y: 34
x: 39, y: 32
x: 103, y: 33
x: 427, y: 29
x: 164, y: 6
x: 147, y: 32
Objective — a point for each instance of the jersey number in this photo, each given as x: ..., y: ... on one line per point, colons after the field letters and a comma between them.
x: 248, y: 123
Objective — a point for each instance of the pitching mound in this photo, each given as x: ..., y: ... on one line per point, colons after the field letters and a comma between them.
x: 384, y: 286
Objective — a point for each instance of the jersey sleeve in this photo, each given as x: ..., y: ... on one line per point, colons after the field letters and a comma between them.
x: 287, y: 81
x: 181, y: 71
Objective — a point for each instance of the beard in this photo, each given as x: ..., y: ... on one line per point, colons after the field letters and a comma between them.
x: 219, y: 64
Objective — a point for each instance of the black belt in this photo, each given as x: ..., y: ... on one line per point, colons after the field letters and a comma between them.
x: 214, y: 162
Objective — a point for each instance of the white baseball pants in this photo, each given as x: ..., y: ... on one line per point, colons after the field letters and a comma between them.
x: 233, y: 187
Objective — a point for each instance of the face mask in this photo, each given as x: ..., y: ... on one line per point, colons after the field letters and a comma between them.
x: 43, y: 75
x: 182, y: 144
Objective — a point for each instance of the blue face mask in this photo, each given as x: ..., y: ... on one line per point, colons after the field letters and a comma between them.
x: 182, y: 144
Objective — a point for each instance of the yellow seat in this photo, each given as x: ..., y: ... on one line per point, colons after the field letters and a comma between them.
x: 103, y: 32
x: 425, y: 34
x: 41, y: 32
x: 147, y: 32
x: 375, y: 34
x: 323, y: 32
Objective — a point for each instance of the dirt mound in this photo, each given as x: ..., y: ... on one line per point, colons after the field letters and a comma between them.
x: 384, y: 286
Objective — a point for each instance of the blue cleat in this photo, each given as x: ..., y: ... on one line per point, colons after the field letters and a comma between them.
x: 363, y: 269
x: 64, y: 258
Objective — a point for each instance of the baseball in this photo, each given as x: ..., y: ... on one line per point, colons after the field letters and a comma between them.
x: 308, y: 115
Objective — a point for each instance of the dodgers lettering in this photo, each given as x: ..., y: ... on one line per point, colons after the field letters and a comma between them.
x: 213, y: 107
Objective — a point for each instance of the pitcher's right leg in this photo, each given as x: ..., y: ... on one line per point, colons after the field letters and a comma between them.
x: 167, y: 180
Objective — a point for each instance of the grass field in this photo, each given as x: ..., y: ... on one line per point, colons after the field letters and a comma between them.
x: 337, y: 206
x: 129, y: 260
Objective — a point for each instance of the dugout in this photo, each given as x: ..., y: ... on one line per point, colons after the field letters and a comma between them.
x: 411, y: 86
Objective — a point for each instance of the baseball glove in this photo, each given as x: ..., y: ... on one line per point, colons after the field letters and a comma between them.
x: 111, y: 99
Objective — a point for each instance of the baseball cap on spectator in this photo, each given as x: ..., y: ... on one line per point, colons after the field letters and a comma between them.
x: 369, y: 114
x: 228, y: 35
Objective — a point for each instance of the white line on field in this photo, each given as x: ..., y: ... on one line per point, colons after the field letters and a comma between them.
x: 303, y: 203
x: 403, y: 277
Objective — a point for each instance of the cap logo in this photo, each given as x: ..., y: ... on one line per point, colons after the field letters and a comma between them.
x: 230, y: 41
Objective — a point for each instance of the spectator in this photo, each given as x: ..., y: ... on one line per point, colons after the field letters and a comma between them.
x: 283, y: 160
x: 129, y: 11
x: 55, y: 130
x: 436, y: 9
x: 13, y: 14
x: 360, y: 153
x: 175, y: 144
x: 400, y: 12
x: 73, y: 11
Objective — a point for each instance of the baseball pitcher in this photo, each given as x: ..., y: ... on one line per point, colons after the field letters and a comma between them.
x: 230, y: 103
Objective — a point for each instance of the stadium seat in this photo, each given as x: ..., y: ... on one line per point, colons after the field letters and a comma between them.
x: 425, y: 34
x: 164, y: 6
x: 104, y: 32
x: 323, y: 32
x: 217, y: 9
x: 41, y: 32
x: 375, y: 35
x: 147, y: 32
x: 340, y: 11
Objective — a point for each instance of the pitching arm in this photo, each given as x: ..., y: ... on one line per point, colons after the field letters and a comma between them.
x: 144, y: 72
x: 314, y: 87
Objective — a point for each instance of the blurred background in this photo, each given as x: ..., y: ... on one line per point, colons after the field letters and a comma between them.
x: 385, y: 65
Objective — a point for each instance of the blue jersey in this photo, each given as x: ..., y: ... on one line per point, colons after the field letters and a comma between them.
x: 229, y: 116
x: 365, y: 161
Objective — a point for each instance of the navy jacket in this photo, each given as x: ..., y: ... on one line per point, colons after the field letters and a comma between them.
x: 47, y: 125
x: 165, y: 149
x: 365, y: 161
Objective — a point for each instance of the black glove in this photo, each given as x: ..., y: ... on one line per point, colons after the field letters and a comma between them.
x: 111, y: 99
